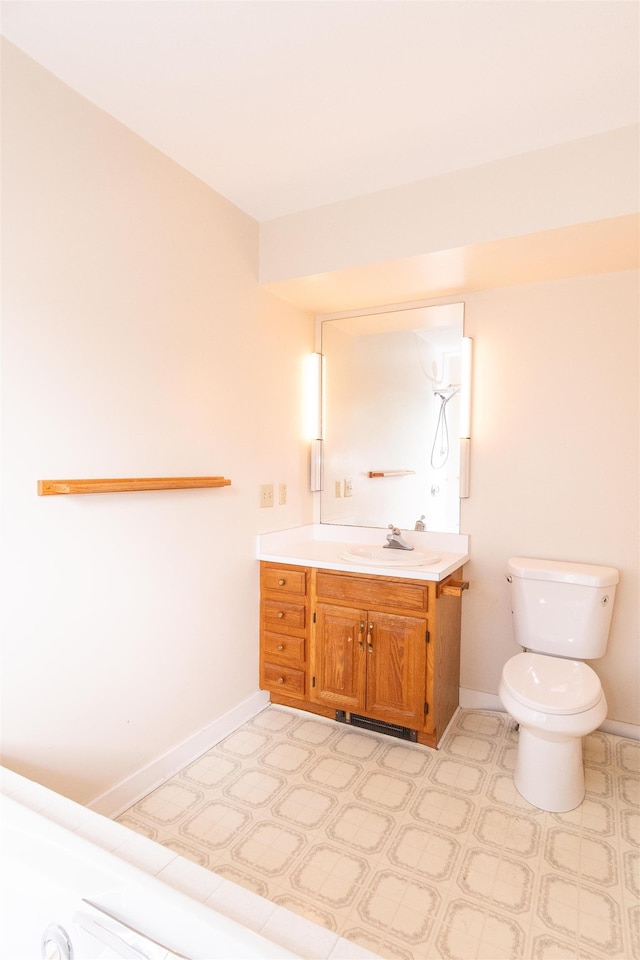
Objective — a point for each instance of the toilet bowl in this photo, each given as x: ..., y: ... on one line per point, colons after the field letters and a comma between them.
x: 561, y: 617
x: 556, y: 703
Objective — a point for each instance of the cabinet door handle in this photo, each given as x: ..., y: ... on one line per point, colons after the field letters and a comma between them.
x: 281, y: 646
x: 280, y: 679
x: 370, y: 637
x: 280, y: 614
x: 281, y: 582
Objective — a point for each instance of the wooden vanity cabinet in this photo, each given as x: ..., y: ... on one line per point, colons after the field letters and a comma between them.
x: 384, y: 648
x: 284, y: 629
x: 371, y: 659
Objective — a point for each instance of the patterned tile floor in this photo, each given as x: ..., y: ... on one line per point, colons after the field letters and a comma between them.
x: 410, y: 852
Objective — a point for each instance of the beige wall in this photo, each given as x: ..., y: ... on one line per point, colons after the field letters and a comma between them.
x: 572, y: 183
x: 554, y: 470
x: 136, y: 342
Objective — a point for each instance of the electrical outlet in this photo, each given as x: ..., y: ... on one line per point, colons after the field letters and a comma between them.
x: 282, y: 494
x: 266, y: 495
x: 348, y: 488
x: 338, y: 488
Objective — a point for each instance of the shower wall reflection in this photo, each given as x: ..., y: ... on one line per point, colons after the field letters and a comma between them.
x: 391, y: 404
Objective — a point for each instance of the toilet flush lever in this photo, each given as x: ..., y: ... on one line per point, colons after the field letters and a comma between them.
x: 508, y: 577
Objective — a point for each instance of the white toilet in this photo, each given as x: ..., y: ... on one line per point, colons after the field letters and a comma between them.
x: 561, y: 616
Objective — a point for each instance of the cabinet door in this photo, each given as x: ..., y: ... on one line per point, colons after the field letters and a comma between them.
x: 396, y: 663
x: 339, y: 658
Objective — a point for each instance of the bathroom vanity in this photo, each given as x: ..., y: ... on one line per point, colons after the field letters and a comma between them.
x: 376, y: 645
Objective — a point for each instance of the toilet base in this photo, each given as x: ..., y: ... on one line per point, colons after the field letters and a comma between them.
x: 550, y: 773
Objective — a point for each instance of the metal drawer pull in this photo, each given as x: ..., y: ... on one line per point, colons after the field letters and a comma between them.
x: 280, y: 614
x: 125, y: 941
x: 281, y: 646
x: 281, y: 582
x: 280, y: 679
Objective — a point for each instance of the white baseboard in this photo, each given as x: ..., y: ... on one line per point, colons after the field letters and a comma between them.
x: 629, y: 730
x: 477, y: 700
x: 119, y: 798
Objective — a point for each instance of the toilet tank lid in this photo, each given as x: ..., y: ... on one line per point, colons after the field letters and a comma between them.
x: 589, y: 574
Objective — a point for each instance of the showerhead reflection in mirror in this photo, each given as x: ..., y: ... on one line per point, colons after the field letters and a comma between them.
x: 440, y: 449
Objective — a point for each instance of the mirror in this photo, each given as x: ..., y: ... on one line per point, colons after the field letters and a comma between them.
x: 391, y: 414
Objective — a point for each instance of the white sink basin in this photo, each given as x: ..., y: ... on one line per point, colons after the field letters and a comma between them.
x: 384, y: 557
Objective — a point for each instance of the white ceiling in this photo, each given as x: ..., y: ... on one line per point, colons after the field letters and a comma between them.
x: 285, y: 105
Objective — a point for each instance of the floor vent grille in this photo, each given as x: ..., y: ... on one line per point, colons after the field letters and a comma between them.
x: 378, y: 726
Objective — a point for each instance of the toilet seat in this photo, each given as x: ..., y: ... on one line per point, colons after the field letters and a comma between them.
x: 551, y: 685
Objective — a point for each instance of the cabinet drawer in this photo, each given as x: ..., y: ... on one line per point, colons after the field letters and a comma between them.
x: 278, y: 647
x: 281, y: 614
x: 284, y: 680
x: 372, y: 592
x: 284, y: 580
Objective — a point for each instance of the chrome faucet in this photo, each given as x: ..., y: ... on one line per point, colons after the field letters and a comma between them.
x: 395, y: 540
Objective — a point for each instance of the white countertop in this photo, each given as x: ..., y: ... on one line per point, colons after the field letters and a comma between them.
x: 320, y: 545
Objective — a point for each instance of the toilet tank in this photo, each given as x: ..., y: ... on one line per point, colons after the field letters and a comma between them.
x: 561, y: 609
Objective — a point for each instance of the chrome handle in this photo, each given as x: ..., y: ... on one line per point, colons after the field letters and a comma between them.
x: 508, y: 577
x: 55, y: 943
x: 124, y: 940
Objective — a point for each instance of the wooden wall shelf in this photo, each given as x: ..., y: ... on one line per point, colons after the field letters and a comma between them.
x: 50, y: 488
x: 390, y: 473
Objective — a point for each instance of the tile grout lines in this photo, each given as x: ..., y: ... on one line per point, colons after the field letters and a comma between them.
x: 413, y: 853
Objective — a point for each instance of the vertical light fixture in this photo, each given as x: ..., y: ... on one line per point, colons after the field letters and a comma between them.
x: 313, y: 417
x: 465, y: 415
